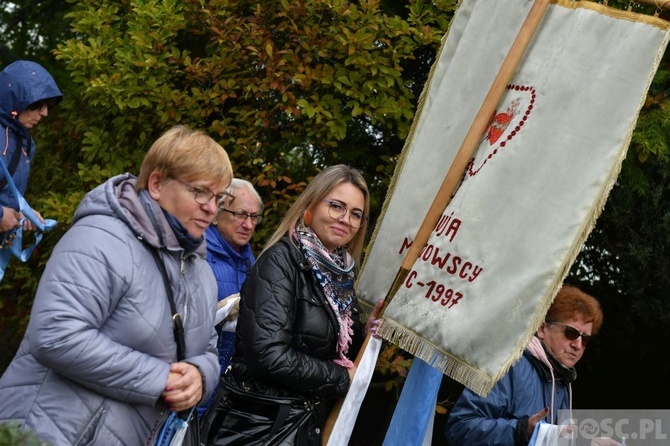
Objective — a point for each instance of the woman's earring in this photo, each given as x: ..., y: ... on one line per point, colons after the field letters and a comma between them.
x: 307, y: 217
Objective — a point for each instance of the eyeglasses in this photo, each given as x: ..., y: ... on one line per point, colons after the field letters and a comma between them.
x: 241, y: 216
x: 571, y: 333
x: 337, y: 210
x: 204, y: 196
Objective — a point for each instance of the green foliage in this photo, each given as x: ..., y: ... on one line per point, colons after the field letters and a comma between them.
x: 126, y: 64
x: 285, y: 87
x: 393, y: 364
x: 31, y: 29
x: 12, y: 435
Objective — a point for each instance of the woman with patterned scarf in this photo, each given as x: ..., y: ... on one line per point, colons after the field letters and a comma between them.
x: 299, y: 326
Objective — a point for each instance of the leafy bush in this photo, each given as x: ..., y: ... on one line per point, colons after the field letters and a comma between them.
x: 12, y: 435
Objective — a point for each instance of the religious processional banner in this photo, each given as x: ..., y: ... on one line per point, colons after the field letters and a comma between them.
x: 532, y: 191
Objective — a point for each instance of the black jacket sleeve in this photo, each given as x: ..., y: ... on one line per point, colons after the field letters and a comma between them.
x: 285, y: 329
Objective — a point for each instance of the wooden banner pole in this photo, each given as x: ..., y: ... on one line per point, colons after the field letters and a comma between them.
x: 457, y: 168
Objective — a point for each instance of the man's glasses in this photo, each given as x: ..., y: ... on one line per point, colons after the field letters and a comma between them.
x: 571, y: 333
x: 337, y: 210
x: 241, y: 216
x: 204, y: 196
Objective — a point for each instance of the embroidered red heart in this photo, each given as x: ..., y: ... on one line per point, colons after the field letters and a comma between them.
x: 501, y: 125
x: 498, y: 125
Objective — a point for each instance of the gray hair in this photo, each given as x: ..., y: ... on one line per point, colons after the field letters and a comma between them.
x: 239, y: 183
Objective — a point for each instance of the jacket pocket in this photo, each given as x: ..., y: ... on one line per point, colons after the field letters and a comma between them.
x: 90, y: 432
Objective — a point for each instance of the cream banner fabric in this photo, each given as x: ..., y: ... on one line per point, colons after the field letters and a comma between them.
x: 533, y: 190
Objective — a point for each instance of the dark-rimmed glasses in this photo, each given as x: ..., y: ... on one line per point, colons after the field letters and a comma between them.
x: 204, y: 196
x: 241, y: 216
x: 337, y: 210
x: 571, y: 333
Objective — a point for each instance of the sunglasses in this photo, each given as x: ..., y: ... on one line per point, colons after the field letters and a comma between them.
x: 571, y: 333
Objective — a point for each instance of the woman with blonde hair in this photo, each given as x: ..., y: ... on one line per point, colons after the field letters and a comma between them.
x: 100, y: 362
x: 299, y: 326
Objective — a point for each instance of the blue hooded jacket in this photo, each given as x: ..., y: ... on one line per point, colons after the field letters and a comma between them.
x: 230, y: 270
x: 22, y: 83
x: 528, y: 387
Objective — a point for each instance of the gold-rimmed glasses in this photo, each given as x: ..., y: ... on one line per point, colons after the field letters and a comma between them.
x: 338, y: 210
x: 203, y: 195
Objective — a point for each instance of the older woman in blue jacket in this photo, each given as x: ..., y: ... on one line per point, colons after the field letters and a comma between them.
x: 537, y: 386
x: 98, y: 363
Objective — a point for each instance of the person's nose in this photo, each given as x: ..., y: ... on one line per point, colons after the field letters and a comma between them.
x: 44, y: 111
x: 248, y: 223
x: 211, y: 206
x: 345, y: 218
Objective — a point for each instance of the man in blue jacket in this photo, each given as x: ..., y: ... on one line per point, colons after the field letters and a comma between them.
x: 537, y: 386
x: 230, y: 256
x: 27, y: 92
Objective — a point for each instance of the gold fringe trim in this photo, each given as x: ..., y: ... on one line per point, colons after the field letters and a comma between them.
x: 614, y: 12
x: 410, y: 341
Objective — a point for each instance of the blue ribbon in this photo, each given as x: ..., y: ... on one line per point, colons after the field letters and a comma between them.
x: 15, y: 236
x: 173, y: 430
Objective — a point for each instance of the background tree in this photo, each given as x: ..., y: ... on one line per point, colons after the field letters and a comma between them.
x: 285, y: 87
x: 31, y: 29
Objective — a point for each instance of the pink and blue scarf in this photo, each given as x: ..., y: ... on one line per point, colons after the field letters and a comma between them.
x: 335, y: 273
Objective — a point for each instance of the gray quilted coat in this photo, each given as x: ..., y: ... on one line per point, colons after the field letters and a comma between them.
x: 97, y: 352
